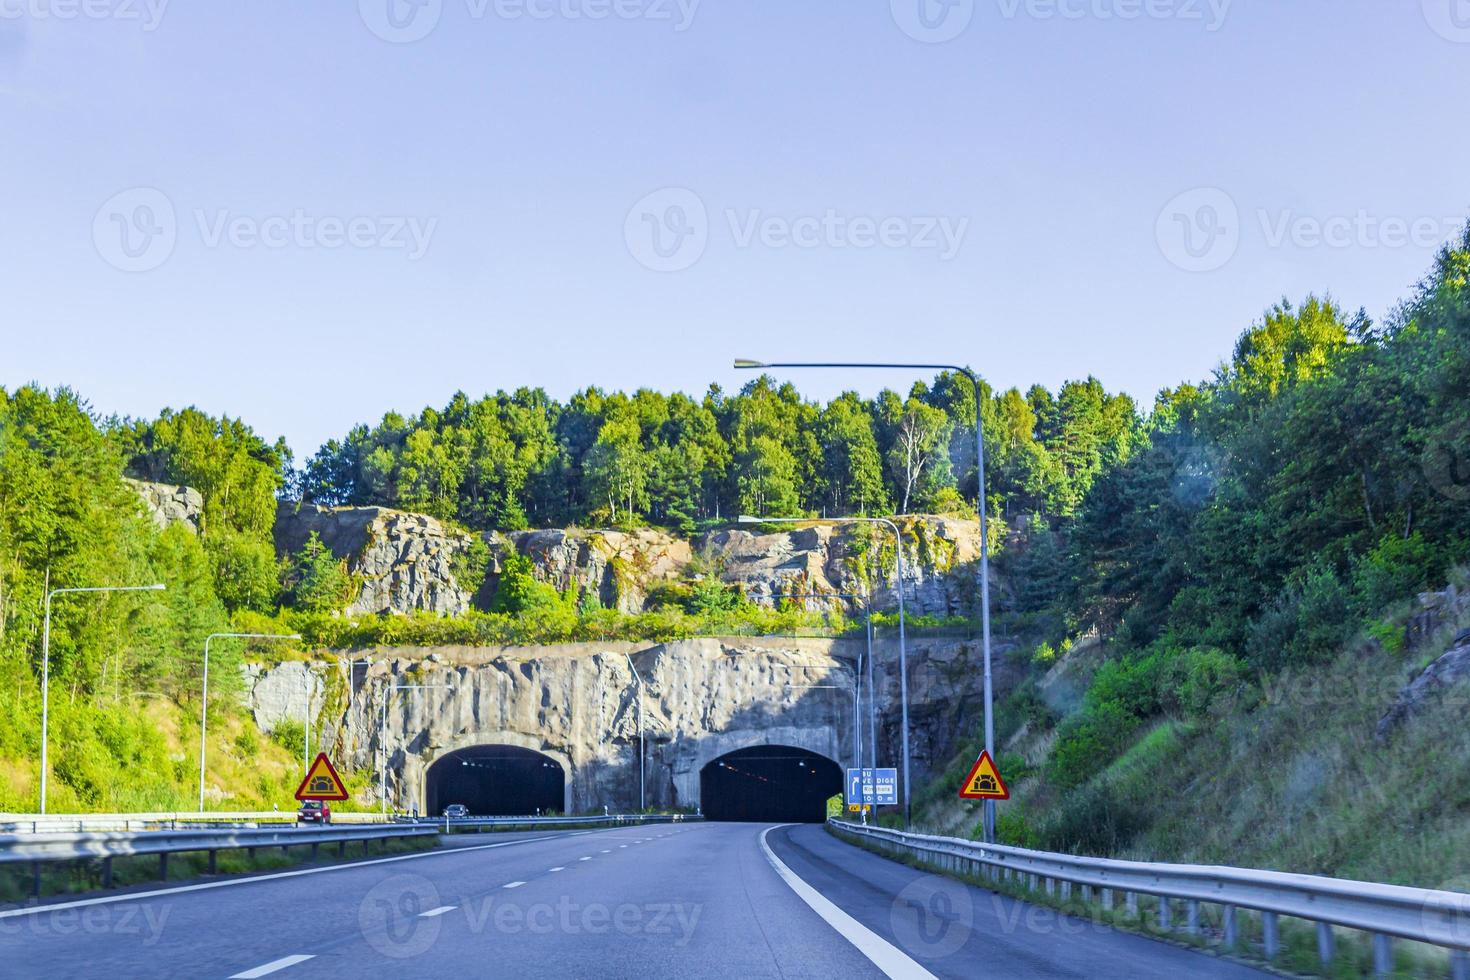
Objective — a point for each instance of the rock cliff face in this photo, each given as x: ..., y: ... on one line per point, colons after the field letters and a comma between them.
x: 620, y: 568
x: 169, y: 504
x: 407, y: 562
x: 578, y: 705
x: 403, y: 562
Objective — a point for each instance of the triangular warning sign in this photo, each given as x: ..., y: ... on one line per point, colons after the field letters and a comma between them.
x: 984, y: 782
x: 321, y: 782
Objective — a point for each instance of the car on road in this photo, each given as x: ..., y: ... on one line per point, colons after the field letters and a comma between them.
x: 314, y: 811
x: 456, y: 811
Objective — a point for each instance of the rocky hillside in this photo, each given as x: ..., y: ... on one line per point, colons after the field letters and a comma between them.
x: 409, y: 562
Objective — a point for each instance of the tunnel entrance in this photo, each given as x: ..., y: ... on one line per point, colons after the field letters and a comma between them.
x: 769, y: 783
x: 496, y: 781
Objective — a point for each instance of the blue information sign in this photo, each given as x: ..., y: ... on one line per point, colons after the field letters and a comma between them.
x: 876, y: 787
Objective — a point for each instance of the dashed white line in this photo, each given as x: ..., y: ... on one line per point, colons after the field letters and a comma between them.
x: 606, y: 852
x: 513, y: 884
x: 622, y: 845
x: 588, y: 858
x: 271, y: 967
x: 432, y: 913
x: 549, y: 870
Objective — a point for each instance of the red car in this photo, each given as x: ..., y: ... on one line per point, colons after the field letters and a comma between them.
x: 314, y: 811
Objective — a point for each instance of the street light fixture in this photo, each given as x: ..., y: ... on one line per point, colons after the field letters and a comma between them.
x: 903, y: 659
x: 204, y: 699
x: 46, y: 663
x: 746, y: 365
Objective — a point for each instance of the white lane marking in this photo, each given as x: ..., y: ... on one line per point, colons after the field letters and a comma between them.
x: 437, y: 912
x: 622, y: 845
x: 271, y: 967
x: 139, y: 896
x: 606, y: 852
x: 513, y: 884
x: 883, y: 954
x: 549, y: 870
x: 588, y: 858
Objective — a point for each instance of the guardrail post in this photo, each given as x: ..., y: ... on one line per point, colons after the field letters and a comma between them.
x: 1382, y: 954
x: 1459, y: 965
x: 341, y: 848
x: 1087, y: 894
x: 1033, y: 884
x: 1232, y: 930
x: 163, y: 866
x: 1326, y: 943
x: 212, y: 863
x: 36, y: 878
x: 1051, y: 886
x: 1107, y: 899
x: 1164, y: 913
x: 1066, y: 890
x: 1191, y: 917
x: 1131, y: 900
x: 107, y: 872
x: 1271, y: 930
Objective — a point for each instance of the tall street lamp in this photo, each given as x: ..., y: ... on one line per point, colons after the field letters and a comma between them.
x: 747, y: 365
x: 642, y: 799
x: 204, y: 700
x: 46, y: 664
x: 903, y: 659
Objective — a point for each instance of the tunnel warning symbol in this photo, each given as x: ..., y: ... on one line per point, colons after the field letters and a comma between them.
x: 984, y: 782
x: 321, y: 782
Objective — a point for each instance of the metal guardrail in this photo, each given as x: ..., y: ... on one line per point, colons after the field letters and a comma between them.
x: 1436, y: 918
x: 29, y: 823
x: 615, y: 819
x: 38, y: 849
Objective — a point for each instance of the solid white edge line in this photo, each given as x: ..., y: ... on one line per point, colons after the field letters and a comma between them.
x: 206, y: 886
x: 271, y: 967
x: 432, y: 913
x: 513, y: 884
x: 879, y: 951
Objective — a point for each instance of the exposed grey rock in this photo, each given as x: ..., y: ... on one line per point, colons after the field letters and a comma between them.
x: 169, y: 504
x: 1428, y: 687
x: 577, y: 703
x: 619, y: 567
x: 290, y: 691
x: 403, y: 562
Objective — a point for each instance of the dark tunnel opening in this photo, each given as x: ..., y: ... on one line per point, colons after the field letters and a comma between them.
x: 769, y: 783
x: 496, y: 781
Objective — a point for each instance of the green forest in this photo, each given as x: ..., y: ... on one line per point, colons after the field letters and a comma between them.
x: 1249, y: 522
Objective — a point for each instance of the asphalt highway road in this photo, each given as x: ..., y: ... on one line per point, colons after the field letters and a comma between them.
x: 691, y: 900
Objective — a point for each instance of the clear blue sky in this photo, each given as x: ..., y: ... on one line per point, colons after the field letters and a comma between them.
x: 1051, y: 147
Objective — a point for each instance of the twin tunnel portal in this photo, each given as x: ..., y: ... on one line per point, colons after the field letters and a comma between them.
x: 767, y: 783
